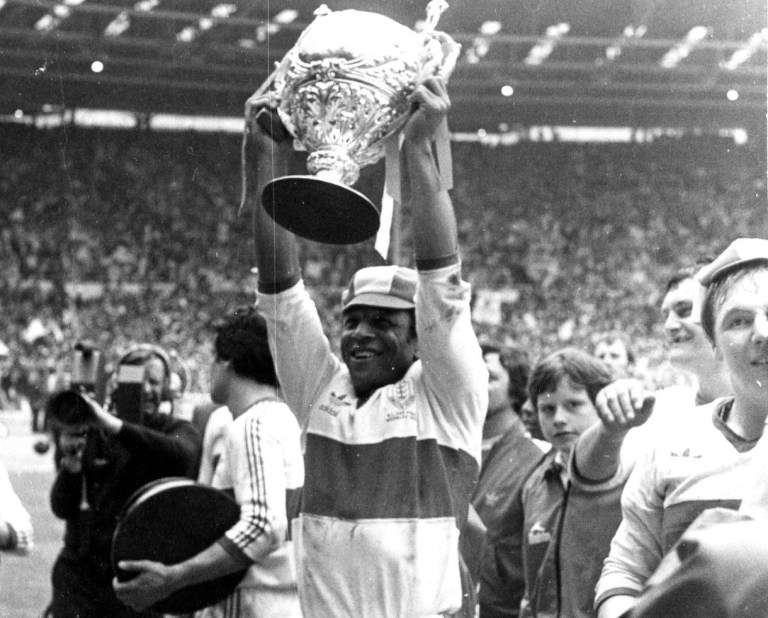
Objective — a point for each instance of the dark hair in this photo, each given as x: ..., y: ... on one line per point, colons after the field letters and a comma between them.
x: 615, y: 335
x: 518, y: 366
x: 687, y: 272
x: 579, y: 367
x: 717, y: 290
x: 241, y: 337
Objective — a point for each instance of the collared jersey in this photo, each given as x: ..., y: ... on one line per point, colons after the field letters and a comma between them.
x: 263, y: 464
x: 680, y: 476
x: 388, y: 483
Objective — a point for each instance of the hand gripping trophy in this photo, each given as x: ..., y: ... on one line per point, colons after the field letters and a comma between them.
x: 342, y: 92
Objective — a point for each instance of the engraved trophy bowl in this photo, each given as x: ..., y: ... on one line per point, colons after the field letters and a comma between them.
x: 341, y: 92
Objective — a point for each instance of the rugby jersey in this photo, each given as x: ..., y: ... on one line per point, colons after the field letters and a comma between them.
x: 388, y: 483
x: 681, y: 475
x: 263, y: 464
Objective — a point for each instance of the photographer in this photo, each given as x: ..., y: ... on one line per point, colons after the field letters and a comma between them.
x: 103, y: 458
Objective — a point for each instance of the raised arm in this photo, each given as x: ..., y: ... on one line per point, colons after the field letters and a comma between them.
x: 621, y: 406
x: 434, y: 222
x: 276, y: 248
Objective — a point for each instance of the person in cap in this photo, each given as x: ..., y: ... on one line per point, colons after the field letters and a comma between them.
x: 707, y: 465
x: 393, y: 428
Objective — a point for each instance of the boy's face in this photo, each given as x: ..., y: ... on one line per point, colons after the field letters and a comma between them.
x: 378, y: 346
x: 741, y: 334
x: 564, y: 414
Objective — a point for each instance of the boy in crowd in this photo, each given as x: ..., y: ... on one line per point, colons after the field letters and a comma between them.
x: 571, y: 499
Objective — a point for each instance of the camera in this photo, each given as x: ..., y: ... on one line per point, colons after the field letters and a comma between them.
x: 88, y: 374
x: 69, y: 408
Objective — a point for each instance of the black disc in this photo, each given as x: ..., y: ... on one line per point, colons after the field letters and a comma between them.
x: 320, y: 210
x: 169, y: 521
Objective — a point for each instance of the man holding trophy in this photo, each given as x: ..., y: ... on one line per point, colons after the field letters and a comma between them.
x: 392, y: 429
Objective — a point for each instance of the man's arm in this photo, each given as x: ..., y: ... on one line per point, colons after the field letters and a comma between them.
x: 257, y: 471
x: 434, y: 222
x: 16, y: 532
x: 614, y: 607
x: 621, y: 406
x: 157, y: 581
x: 277, y: 256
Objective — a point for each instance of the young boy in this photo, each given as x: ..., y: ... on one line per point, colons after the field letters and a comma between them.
x: 571, y: 512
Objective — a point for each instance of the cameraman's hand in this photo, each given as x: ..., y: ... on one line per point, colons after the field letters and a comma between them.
x: 101, y: 419
x: 72, y: 446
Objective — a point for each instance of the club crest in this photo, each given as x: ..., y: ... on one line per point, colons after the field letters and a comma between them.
x: 401, y: 395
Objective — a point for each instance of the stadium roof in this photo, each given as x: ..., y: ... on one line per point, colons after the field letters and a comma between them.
x: 679, y: 63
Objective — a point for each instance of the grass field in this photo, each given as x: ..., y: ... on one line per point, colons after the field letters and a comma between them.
x: 25, y: 580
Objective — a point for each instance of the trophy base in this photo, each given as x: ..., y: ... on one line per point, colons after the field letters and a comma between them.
x: 320, y: 210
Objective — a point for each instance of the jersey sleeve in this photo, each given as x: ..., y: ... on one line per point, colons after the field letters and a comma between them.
x: 301, y: 351
x: 454, y: 373
x: 15, y: 516
x: 637, y: 547
x: 256, y: 456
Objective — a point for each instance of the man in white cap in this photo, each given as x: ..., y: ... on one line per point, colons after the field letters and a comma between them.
x: 393, y: 428
x: 709, y: 464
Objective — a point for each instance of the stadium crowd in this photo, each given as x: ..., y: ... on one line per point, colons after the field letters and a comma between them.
x: 136, y: 236
x: 398, y: 406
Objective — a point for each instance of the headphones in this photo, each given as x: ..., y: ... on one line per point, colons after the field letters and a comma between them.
x: 143, y: 352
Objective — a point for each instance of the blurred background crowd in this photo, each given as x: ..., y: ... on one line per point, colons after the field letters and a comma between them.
x: 123, y: 237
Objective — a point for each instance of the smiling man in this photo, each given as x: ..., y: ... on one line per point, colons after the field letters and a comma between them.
x: 687, y: 345
x: 393, y: 429
x: 687, y: 472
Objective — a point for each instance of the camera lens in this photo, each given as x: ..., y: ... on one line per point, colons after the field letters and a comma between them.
x: 69, y: 408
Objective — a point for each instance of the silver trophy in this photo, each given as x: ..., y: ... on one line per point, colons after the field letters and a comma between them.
x: 341, y: 92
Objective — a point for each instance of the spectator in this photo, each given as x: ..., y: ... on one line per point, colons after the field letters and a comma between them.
x: 687, y: 472
x: 615, y: 351
x: 531, y: 421
x: 402, y: 411
x: 508, y: 371
x: 688, y: 347
x: 571, y: 499
x: 263, y: 464
x: 103, y: 460
x: 498, y: 567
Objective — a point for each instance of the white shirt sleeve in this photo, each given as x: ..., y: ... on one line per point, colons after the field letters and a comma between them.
x: 13, y: 513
